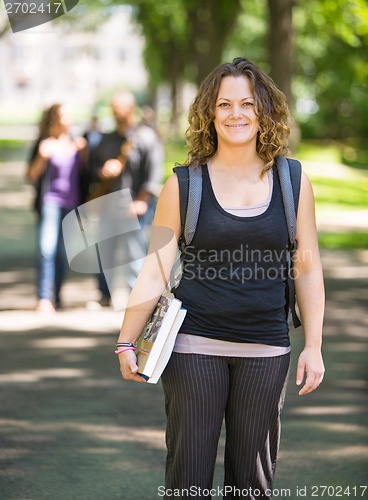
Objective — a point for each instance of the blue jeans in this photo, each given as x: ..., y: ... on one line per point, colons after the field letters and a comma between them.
x: 52, y: 257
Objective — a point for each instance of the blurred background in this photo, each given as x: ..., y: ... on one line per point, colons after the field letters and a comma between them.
x: 317, y: 52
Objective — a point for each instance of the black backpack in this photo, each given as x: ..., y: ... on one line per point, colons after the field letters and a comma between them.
x: 190, y: 187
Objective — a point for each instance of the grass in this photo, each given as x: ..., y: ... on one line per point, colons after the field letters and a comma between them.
x: 351, y: 152
x: 343, y: 193
x: 13, y: 150
x: 350, y: 240
x: 12, y: 144
x: 324, y: 151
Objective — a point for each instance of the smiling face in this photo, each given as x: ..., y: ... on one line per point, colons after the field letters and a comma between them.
x: 236, y: 122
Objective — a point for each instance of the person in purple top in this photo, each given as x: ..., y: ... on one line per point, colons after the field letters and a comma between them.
x: 55, y: 167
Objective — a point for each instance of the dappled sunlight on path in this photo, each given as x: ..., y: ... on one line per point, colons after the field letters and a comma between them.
x: 72, y: 429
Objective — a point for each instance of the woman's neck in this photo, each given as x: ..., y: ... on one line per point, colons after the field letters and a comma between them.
x: 238, y: 160
x: 61, y: 136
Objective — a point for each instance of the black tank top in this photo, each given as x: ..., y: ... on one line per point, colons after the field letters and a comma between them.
x: 234, y: 276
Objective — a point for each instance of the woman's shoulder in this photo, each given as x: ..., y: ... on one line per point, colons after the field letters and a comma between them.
x: 168, y: 206
x: 171, y: 185
x: 169, y: 196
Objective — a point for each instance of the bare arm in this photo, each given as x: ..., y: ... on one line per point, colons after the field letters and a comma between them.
x: 38, y: 165
x: 309, y: 291
x: 153, y: 167
x: 154, y: 163
x: 154, y: 274
x: 81, y: 145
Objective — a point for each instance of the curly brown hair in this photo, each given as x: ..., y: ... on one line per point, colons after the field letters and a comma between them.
x: 271, y: 109
x: 50, y: 118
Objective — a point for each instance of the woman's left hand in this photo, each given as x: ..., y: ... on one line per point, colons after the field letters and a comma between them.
x: 310, y: 363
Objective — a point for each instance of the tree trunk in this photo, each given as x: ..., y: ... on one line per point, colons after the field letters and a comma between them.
x: 280, y: 45
x: 280, y: 50
x: 209, y: 24
x: 174, y: 76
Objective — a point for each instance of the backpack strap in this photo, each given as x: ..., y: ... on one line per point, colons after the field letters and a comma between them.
x: 190, y: 195
x: 194, y: 203
x: 190, y: 192
x: 295, y: 170
x: 182, y: 174
x: 287, y: 198
x: 289, y: 172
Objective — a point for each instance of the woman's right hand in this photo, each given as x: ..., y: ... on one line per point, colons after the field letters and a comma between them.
x: 129, y: 367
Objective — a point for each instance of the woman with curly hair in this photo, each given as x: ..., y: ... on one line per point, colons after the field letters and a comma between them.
x: 55, y: 167
x: 232, y: 353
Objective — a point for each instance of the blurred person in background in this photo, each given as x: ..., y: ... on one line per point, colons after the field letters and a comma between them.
x: 93, y: 134
x: 56, y: 168
x: 129, y: 157
x: 148, y: 116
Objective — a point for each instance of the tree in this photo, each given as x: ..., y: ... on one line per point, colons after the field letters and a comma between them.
x: 329, y: 67
x: 165, y: 49
x: 324, y: 75
x: 332, y: 69
x: 209, y: 25
x: 185, y: 39
x: 266, y: 29
x: 280, y: 45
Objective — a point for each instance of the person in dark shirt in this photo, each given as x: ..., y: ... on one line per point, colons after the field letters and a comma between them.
x: 93, y: 134
x: 232, y: 353
x: 128, y: 158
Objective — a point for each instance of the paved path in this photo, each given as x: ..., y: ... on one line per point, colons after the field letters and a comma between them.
x: 72, y: 429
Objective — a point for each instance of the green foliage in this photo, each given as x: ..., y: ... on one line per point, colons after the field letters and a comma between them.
x: 175, y: 153
x: 332, y: 68
x: 185, y: 39
x: 249, y: 40
x: 163, y: 26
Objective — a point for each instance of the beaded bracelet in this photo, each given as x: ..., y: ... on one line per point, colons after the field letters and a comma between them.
x: 118, y: 351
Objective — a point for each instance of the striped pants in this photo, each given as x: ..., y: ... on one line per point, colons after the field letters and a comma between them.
x: 199, y: 391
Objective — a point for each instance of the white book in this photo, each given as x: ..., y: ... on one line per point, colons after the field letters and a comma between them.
x: 157, y: 339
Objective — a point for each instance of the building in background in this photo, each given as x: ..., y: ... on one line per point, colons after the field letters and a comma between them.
x: 46, y: 64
